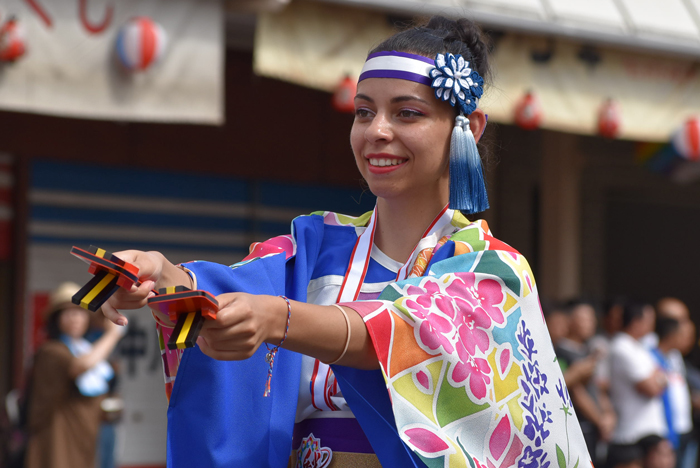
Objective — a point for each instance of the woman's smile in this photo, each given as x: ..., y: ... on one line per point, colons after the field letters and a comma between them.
x: 382, y: 163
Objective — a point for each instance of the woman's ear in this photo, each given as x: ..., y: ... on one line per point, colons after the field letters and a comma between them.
x: 477, y: 122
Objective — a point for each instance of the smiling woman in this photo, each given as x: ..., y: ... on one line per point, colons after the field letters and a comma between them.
x: 408, y: 336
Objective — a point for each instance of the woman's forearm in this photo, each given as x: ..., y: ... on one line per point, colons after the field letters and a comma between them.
x: 247, y: 321
x: 322, y: 331
x: 101, y: 349
x: 171, y: 275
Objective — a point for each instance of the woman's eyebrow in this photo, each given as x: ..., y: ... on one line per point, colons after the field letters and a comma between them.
x: 407, y: 98
x: 393, y: 100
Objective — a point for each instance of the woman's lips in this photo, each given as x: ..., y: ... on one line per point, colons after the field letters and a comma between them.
x: 384, y: 163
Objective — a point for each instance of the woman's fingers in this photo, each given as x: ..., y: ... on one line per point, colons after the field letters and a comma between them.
x: 222, y: 354
x: 148, y: 263
x: 241, y: 338
x: 113, y: 314
x: 238, y: 330
x: 135, y: 298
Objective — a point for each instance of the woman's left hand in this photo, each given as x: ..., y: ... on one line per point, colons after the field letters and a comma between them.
x: 243, y: 323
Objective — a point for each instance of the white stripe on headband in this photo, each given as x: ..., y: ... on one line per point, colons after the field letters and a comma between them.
x: 400, y: 65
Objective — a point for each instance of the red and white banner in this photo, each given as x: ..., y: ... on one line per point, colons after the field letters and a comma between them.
x: 72, y: 67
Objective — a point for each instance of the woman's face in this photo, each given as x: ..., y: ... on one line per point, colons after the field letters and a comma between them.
x: 583, y: 321
x: 74, y: 321
x: 401, y: 138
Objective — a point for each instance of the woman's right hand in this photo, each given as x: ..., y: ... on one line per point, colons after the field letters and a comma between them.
x: 151, y: 266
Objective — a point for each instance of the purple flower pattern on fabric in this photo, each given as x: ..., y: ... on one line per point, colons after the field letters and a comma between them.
x: 563, y: 393
x: 534, y: 385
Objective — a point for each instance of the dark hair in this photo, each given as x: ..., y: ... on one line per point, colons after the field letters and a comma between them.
x: 550, y: 307
x: 614, y: 302
x: 572, y: 304
x: 440, y: 35
x: 53, y: 331
x: 666, y: 326
x: 649, y: 443
x: 624, y: 454
x: 631, y: 312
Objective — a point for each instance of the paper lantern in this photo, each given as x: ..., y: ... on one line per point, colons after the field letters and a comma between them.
x: 686, y: 140
x: 609, y: 117
x: 140, y: 43
x: 528, y: 112
x: 12, y: 41
x: 344, y: 96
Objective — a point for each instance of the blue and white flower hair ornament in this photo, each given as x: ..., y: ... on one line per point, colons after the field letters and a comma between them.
x: 455, y: 82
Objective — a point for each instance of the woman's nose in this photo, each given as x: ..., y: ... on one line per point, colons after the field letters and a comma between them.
x: 379, y: 129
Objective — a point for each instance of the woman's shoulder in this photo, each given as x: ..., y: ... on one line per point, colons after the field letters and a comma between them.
x: 53, y: 346
x: 52, y: 353
x: 476, y: 236
x: 331, y: 218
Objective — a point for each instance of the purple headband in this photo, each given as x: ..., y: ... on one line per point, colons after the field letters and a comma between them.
x: 400, y: 65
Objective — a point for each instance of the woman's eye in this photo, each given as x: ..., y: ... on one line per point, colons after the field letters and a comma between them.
x: 362, y: 113
x: 408, y: 113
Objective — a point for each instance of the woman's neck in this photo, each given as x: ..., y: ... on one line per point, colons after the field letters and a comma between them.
x: 401, y: 224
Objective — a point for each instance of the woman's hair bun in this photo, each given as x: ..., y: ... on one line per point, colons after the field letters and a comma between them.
x: 466, y: 32
x: 441, y: 35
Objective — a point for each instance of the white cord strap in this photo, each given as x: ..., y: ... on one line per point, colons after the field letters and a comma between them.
x: 347, y: 341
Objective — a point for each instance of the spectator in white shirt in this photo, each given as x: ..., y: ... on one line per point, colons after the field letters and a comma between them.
x: 637, y: 382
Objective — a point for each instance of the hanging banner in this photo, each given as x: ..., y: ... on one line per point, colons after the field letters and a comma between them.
x: 73, y: 66
x: 316, y: 45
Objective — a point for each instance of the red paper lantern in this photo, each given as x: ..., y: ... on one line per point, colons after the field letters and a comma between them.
x: 609, y: 119
x: 12, y: 41
x: 686, y: 140
x: 344, y: 95
x: 141, y: 42
x: 528, y: 112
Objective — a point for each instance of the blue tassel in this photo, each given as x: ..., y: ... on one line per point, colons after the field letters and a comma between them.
x: 467, y: 187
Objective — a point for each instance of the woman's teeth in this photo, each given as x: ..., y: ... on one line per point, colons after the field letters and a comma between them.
x: 385, y: 162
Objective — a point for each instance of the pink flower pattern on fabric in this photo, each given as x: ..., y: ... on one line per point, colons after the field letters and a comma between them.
x: 485, y: 296
x: 474, y: 368
x: 425, y: 440
x: 456, y: 320
x: 434, y: 330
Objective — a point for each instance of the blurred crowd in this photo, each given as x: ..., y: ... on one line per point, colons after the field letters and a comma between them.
x: 634, y: 390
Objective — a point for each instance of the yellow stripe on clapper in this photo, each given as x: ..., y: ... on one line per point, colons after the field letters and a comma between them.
x: 101, y: 252
x: 182, y: 337
x: 85, y: 302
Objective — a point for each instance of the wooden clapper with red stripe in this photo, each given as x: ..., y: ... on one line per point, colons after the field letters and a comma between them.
x: 110, y: 272
x: 188, y: 309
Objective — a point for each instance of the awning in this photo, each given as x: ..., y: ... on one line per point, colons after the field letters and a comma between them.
x: 662, y: 26
x: 317, y: 44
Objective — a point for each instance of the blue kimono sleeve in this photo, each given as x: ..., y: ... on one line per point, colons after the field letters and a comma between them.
x: 217, y: 415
